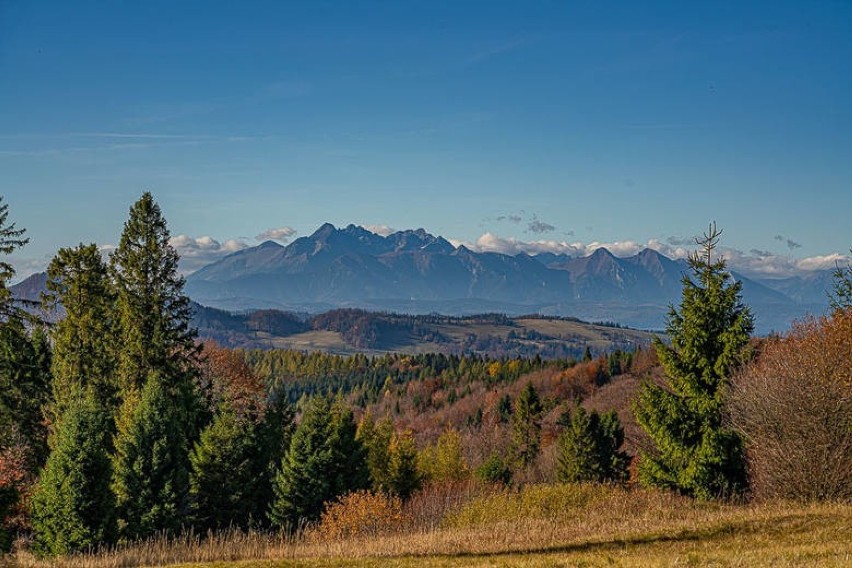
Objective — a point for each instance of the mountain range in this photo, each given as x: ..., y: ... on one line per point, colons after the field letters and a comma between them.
x: 413, y: 271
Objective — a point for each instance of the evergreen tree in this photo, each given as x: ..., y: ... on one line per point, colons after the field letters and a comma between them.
x: 376, y: 439
x: 695, y: 453
x: 84, y: 351
x: 403, y: 476
x: 150, y: 477
x: 841, y: 296
x: 153, y: 312
x: 323, y: 462
x: 11, y: 238
x: 588, y: 448
x: 224, y: 480
x: 526, y: 426
x: 73, y: 508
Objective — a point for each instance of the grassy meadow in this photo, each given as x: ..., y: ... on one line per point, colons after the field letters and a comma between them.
x: 540, y: 525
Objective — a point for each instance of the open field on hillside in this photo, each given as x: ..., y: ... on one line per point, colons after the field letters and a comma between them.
x: 546, y: 525
x: 515, y: 336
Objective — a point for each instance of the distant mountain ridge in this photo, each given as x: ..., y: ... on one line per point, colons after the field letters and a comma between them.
x: 413, y: 271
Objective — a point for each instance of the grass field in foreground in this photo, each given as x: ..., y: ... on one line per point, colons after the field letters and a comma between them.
x: 549, y: 525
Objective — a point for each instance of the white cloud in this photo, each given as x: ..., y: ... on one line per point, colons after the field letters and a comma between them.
x: 282, y: 234
x: 196, y: 252
x: 754, y: 263
x: 382, y: 230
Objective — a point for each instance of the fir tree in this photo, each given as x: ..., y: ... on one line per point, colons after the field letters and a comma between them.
x: 224, y: 480
x: 695, y: 453
x: 324, y: 461
x: 403, y: 476
x: 841, y: 295
x: 376, y: 439
x: 73, y: 508
x: 588, y: 448
x: 84, y: 351
x: 526, y: 426
x: 150, y: 477
x: 11, y: 238
x: 153, y: 312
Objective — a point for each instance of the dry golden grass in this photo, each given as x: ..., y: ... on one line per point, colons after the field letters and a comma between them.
x: 539, y: 526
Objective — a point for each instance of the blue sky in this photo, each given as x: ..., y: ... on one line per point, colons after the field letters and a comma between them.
x: 496, y: 124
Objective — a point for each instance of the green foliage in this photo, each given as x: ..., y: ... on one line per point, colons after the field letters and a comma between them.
x: 84, y: 348
x: 73, y: 508
x: 444, y: 461
x: 376, y: 439
x: 25, y: 384
x: 11, y: 238
x: 150, y: 477
x: 153, y: 312
x: 323, y: 462
x: 494, y: 470
x: 841, y: 297
x: 695, y: 453
x: 403, y: 475
x: 224, y: 482
x: 588, y: 448
x: 526, y: 426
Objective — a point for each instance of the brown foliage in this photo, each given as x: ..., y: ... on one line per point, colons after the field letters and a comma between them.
x: 227, y: 378
x: 793, y: 404
x: 363, y: 513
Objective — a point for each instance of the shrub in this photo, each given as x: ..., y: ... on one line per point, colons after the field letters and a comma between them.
x: 793, y: 406
x: 362, y: 513
x: 494, y: 470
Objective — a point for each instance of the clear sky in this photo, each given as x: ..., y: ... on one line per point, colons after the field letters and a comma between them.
x: 495, y: 124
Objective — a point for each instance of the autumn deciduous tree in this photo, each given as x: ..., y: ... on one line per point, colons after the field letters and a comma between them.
x: 793, y: 405
x: 693, y: 451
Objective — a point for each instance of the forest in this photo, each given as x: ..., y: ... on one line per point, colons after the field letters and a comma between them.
x: 119, y: 425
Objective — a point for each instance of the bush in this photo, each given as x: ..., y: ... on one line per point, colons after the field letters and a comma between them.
x: 362, y: 513
x: 494, y: 470
x: 793, y: 406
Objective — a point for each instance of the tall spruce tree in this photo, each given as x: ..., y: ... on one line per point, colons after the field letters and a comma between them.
x: 73, y: 508
x: 84, y: 346
x: 150, y: 477
x: 695, y: 453
x: 153, y: 312
x: 526, y: 426
x: 24, y: 357
x: 224, y: 484
x: 323, y: 462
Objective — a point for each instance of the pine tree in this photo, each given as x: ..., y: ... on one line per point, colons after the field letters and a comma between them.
x: 588, y: 448
x: 323, y: 462
x: 444, y: 461
x: 11, y: 238
x: 84, y: 350
x: 526, y: 426
x: 695, y: 453
x: 73, y: 508
x: 153, y: 312
x: 150, y: 477
x: 224, y: 481
x: 403, y: 476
